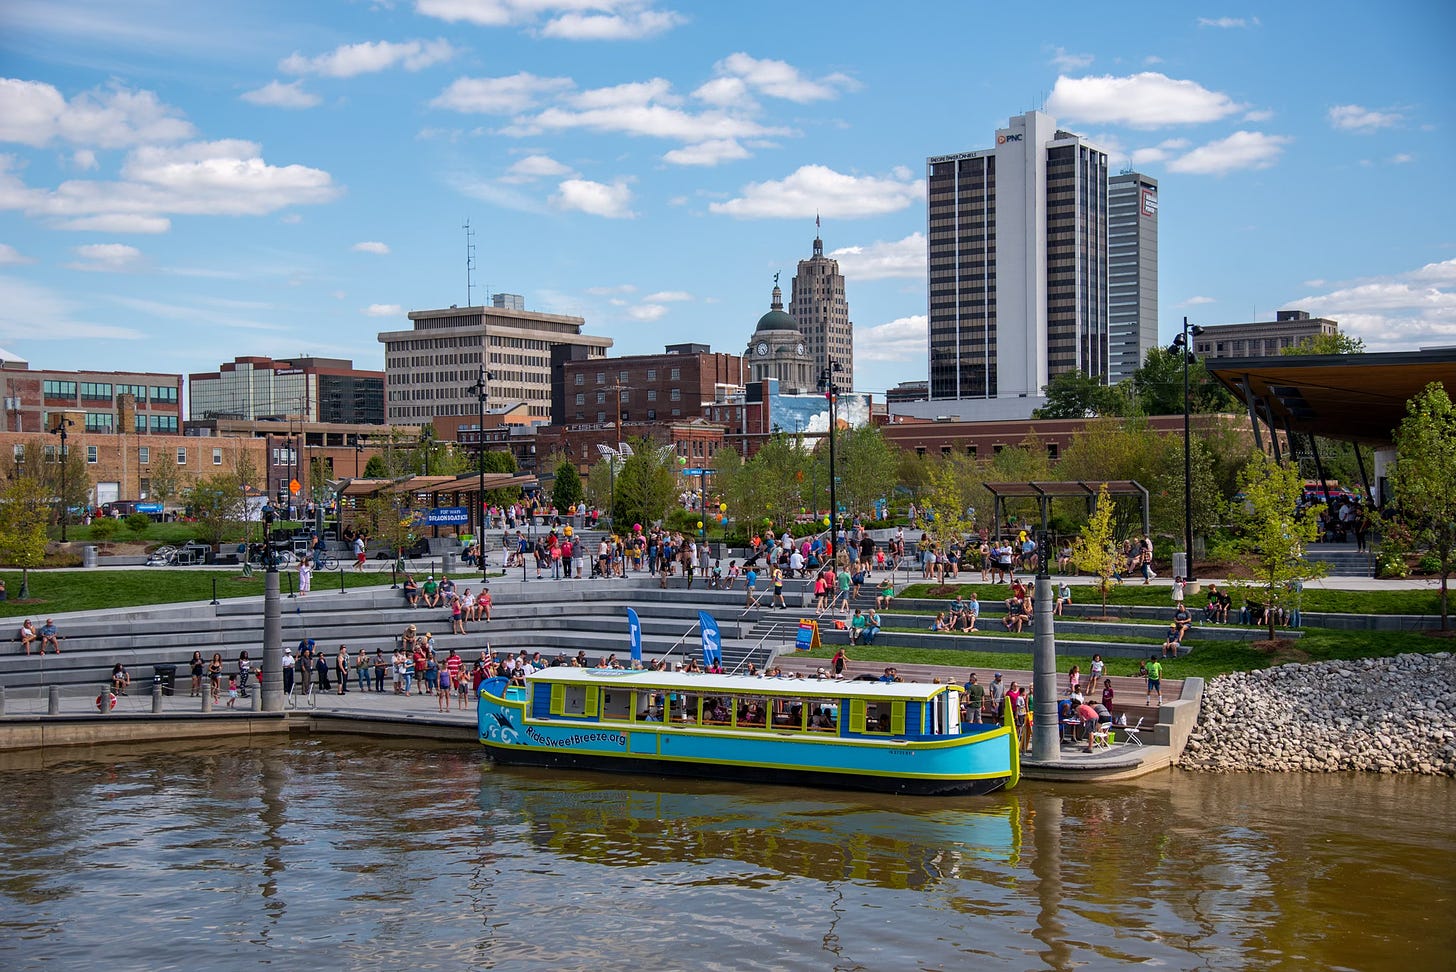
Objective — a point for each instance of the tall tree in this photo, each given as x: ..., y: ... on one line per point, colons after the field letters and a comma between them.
x: 647, y: 482
x: 566, y: 490
x: 865, y: 466
x: 1425, y: 478
x: 386, y: 518
x: 164, y: 476
x: 943, y: 512
x: 1336, y: 343
x: 1272, y: 535
x: 41, y: 461
x: 376, y: 467
x: 1076, y: 394
x: 1158, y: 386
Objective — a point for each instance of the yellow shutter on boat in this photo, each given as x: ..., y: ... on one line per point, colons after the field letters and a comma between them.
x: 591, y: 701
x: 856, y: 715
x: 558, y: 699
x: 897, y: 718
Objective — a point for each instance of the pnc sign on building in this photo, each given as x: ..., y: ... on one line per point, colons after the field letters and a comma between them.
x: 1002, y: 139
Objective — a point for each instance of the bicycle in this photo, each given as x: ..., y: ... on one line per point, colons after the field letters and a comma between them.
x: 323, y: 560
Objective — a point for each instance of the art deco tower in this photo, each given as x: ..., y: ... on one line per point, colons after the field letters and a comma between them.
x: 818, y: 306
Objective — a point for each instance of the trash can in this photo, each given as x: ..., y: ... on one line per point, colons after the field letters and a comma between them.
x: 447, y: 563
x: 88, y: 556
x: 1180, y: 564
x: 165, y: 676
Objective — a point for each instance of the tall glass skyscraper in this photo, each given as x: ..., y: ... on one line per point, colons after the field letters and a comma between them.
x: 1132, y: 272
x: 1017, y: 263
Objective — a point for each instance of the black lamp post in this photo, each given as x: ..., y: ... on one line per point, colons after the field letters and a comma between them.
x: 1181, y: 346
x: 425, y: 437
x: 358, y: 451
x: 477, y: 518
x: 60, y: 430
x: 828, y: 382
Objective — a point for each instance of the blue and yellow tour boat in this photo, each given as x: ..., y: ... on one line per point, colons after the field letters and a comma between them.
x: 898, y: 737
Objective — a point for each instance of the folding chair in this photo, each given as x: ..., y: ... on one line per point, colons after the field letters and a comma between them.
x: 1099, y: 736
x: 1130, y: 734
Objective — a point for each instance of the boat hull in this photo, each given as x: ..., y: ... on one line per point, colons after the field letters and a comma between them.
x: 780, y: 775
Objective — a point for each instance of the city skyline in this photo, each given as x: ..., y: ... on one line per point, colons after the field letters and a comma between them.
x: 180, y: 185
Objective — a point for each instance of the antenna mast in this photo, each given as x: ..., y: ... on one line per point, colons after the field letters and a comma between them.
x: 469, y: 264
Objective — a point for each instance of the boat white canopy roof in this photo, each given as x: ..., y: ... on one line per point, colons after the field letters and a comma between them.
x: 736, y: 684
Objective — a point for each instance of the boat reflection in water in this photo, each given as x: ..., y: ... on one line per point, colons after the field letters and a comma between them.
x: 887, y: 841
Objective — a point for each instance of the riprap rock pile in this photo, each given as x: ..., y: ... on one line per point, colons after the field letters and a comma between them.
x: 1379, y: 715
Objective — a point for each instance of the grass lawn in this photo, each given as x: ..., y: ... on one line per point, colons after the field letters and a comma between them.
x: 1207, y: 659
x: 1339, y: 602
x: 52, y: 592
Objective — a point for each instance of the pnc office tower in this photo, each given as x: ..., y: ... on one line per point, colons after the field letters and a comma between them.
x: 819, y: 307
x: 1017, y: 253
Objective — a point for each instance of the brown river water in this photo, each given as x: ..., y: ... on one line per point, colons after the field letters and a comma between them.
x: 351, y: 854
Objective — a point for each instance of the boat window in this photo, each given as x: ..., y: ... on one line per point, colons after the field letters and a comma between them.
x: 616, y: 704
x: 573, y: 700
x: 750, y: 711
x: 877, y: 717
x: 788, y: 713
x: 717, y: 711
x: 823, y: 717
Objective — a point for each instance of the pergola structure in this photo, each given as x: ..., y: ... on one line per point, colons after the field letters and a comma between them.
x: 1356, y: 398
x: 1045, y: 492
x: 433, y: 491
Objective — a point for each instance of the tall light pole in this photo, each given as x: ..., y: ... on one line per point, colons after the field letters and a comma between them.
x: 1181, y: 346
x: 358, y: 450
x: 828, y: 382
x: 478, y: 516
x: 60, y: 430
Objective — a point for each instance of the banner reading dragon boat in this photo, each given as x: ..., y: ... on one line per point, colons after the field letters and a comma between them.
x: 712, y: 640
x: 634, y: 634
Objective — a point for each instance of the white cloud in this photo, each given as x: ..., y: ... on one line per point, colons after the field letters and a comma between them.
x: 883, y: 260
x: 646, y: 312
x: 10, y: 256
x: 609, y: 290
x: 350, y: 60
x: 816, y: 189
x: 371, y: 246
x: 903, y: 339
x: 29, y: 312
x: 630, y: 25
x: 35, y: 113
x: 106, y: 257
x: 276, y: 94
x: 1227, y: 23
x: 1195, y: 301
x: 1152, y: 59
x: 84, y: 159
x: 117, y: 223
x: 1402, y: 158
x: 725, y: 92
x: 655, y: 115
x: 565, y: 19
x: 1353, y: 118
x: 710, y: 152
x: 222, y: 178
x: 1241, y: 150
x: 1161, y: 152
x: 1145, y: 100
x: 499, y: 96
x: 535, y: 167
x: 776, y: 79
x: 1258, y: 115
x: 667, y: 297
x: 1393, y: 313
x: 383, y: 310
x: 1064, y: 60
x: 597, y: 198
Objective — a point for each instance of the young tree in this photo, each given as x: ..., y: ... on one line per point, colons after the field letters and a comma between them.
x: 1272, y: 535
x: 566, y: 490
x: 942, y: 512
x: 386, y: 518
x: 647, y: 482
x: 376, y: 467
x: 1425, y: 478
x: 1158, y: 386
x: 865, y: 464
x: 1095, y: 550
x: 46, y: 470
x: 498, y: 461
x: 23, y: 510
x: 1076, y: 394
x: 217, y: 505
x: 165, y: 480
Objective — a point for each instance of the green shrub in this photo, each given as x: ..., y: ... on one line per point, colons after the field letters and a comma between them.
x: 1429, y: 564
x: 1390, y: 565
x: 138, y: 523
x: 105, y: 528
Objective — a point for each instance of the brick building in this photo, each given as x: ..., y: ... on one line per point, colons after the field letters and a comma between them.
x: 94, y: 400
x: 666, y: 388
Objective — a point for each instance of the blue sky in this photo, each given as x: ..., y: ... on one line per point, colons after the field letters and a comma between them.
x: 182, y: 183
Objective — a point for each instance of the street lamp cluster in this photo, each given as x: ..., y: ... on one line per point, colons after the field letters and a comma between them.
x: 60, y: 430
x: 1181, y: 346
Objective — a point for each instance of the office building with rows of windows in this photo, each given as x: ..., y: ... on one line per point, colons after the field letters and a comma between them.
x: 1017, y: 256
x: 94, y: 400
x: 1132, y: 272
x: 308, y: 389
x: 818, y: 306
x: 1260, y: 339
x: 431, y: 371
